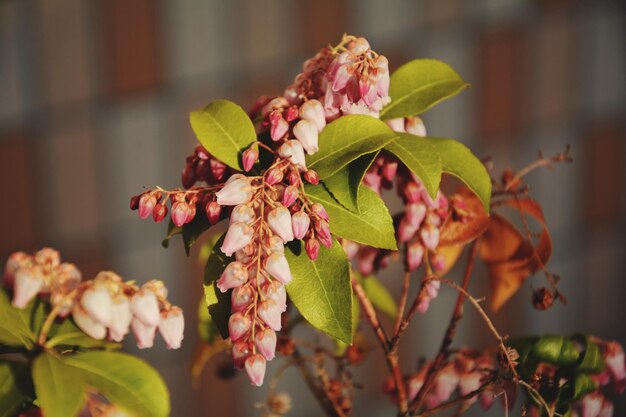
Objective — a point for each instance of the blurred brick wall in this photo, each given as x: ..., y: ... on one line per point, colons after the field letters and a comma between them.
x: 94, y: 97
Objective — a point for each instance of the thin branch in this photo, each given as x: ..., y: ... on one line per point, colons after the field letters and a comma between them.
x: 406, y: 282
x: 541, y: 162
x: 456, y: 401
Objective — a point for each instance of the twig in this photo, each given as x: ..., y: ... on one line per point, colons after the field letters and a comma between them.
x: 403, y: 299
x: 456, y: 401
x: 409, y: 315
x: 444, y: 350
x: 541, y: 162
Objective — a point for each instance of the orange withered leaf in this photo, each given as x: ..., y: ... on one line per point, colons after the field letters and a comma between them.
x: 467, y: 221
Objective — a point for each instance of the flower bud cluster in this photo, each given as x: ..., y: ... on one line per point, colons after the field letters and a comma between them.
x: 201, y: 166
x: 464, y: 374
x: 105, y: 305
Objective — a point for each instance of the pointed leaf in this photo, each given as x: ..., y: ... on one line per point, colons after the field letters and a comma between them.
x: 420, y: 84
x: 69, y: 334
x: 15, y: 325
x: 458, y: 160
x: 345, y: 185
x: 225, y: 130
x: 59, y: 387
x: 321, y: 289
x: 127, y: 381
x: 373, y: 226
x: 217, y: 302
x: 346, y: 139
x: 379, y: 295
x: 15, y: 387
x: 421, y: 157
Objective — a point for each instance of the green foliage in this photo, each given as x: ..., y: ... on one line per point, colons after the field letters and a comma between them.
x: 420, y: 84
x: 225, y: 130
x: 345, y: 185
x: 69, y: 335
x: 591, y: 360
x: 207, y: 329
x: 59, y: 387
x: 321, y: 290
x: 346, y: 139
x: 217, y: 302
x: 373, y: 226
x: 15, y: 387
x: 18, y: 326
x: 556, y: 350
x: 458, y: 160
x: 379, y: 295
x: 421, y: 157
x: 128, y: 382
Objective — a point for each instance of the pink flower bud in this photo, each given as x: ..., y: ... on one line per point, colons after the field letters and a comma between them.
x: 312, y: 247
x: 180, y: 210
x: 134, y: 202
x: 275, y: 290
x: 294, y: 178
x: 341, y: 77
x: 447, y: 381
x: 249, y: 157
x: 235, y: 275
x: 293, y: 151
x: 275, y: 244
x: 274, y: 176
x: 397, y: 125
x: 323, y: 233
x: 273, y: 104
x: 121, y: 316
x: 159, y: 212
x: 276, y: 265
x: 406, y: 230
x: 238, y: 236
x: 255, y: 367
x: 96, y: 301
x: 48, y: 256
x: 432, y: 288
x: 147, y: 202
x: 87, y: 324
x: 412, y: 192
x: 242, y: 213
x: 415, y: 126
x: 278, y: 129
x: 279, y: 220
x: 591, y: 405
x: 429, y: 235
x: 145, y: 307
x: 213, y: 212
x: 470, y: 382
x: 319, y: 209
x: 241, y: 351
x: 291, y: 114
x: 143, y: 333
x: 16, y: 261
x: 290, y: 195
x: 188, y: 176
x: 172, y: 326
x: 313, y: 111
x: 607, y: 409
x: 373, y: 181
x: 614, y: 360
x: 366, y: 257
x: 218, y: 169
x: 238, y: 325
x: 238, y: 191
x: 269, y: 311
x: 28, y: 283
x: 241, y: 297
x: 414, y: 255
x: 389, y: 170
x: 265, y: 341
x: 300, y: 222
x: 311, y: 177
x: 307, y: 133
x: 415, y: 213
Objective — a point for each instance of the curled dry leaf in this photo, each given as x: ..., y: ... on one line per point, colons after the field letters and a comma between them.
x: 510, y: 255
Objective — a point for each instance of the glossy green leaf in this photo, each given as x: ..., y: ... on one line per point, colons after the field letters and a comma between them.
x: 16, y: 325
x: 379, y: 295
x: 345, y: 185
x: 418, y: 85
x: 591, y: 360
x: 194, y: 229
x: 373, y: 226
x: 556, y: 350
x: 172, y: 230
x: 458, y: 160
x: 340, y: 347
x: 421, y: 157
x: 225, y: 130
x: 321, y: 289
x: 217, y: 302
x: 207, y: 330
x: 15, y: 387
x: 346, y: 139
x: 59, y: 387
x: 69, y: 334
x: 127, y: 381
x: 526, y: 363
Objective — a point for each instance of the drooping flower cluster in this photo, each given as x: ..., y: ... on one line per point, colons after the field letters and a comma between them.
x: 105, y: 305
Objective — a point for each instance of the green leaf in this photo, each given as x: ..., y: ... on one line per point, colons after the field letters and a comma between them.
x: 59, y: 387
x: 15, y: 387
x: 172, y: 230
x: 346, y: 139
x: 373, y: 226
x: 458, y: 160
x: 321, y: 289
x: 207, y: 330
x: 16, y: 324
x: 421, y: 157
x: 225, y: 130
x: 345, y: 184
x: 69, y: 334
x: 127, y: 381
x: 418, y: 85
x: 217, y: 302
x: 195, y: 228
x: 556, y: 350
x: 591, y: 360
x: 340, y: 347
x: 379, y: 295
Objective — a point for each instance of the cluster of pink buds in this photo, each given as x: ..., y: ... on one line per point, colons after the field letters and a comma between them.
x: 201, y: 166
x: 104, y: 305
x: 261, y: 222
x: 183, y: 205
x: 465, y: 373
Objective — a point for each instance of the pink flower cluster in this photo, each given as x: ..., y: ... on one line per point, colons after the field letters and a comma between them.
x: 465, y: 373
x: 103, y: 306
x: 265, y: 217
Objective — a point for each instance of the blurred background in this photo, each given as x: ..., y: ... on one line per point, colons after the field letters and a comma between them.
x: 94, y: 103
